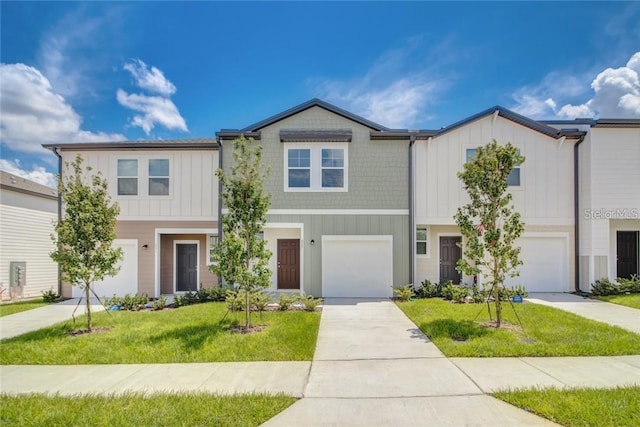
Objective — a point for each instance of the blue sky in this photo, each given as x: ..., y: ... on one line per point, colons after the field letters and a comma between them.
x: 80, y: 72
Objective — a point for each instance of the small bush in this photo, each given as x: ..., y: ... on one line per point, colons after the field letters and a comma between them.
x: 285, y: 301
x: 260, y: 300
x: 519, y: 290
x: 235, y: 300
x: 428, y: 290
x: 160, y: 303
x: 309, y: 302
x: 50, y: 296
x: 404, y: 293
x: 459, y: 294
x: 446, y: 290
x: 604, y: 287
x: 128, y: 302
x: 478, y: 295
x: 631, y: 285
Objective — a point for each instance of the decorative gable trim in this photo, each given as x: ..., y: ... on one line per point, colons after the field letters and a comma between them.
x: 311, y: 135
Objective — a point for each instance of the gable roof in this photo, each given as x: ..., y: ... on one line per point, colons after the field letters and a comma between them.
x: 507, y: 114
x: 315, y: 102
x: 193, y: 143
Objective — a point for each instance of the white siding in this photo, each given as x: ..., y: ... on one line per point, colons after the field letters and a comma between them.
x: 26, y: 237
x: 193, y: 193
x: 545, y: 196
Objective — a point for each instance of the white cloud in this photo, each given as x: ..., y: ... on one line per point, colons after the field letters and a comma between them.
x: 37, y: 174
x: 152, y: 80
x: 34, y: 114
x: 616, y: 94
x: 388, y: 93
x: 157, y: 110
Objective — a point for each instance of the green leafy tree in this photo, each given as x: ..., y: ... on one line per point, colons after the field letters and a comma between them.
x: 85, y: 233
x: 242, y: 257
x: 490, y: 223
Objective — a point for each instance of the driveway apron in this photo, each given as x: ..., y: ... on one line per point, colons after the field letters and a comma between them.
x: 373, y: 366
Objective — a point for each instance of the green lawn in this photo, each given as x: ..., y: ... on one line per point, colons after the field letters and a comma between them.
x: 194, y: 333
x: 580, y: 407
x: 140, y: 410
x: 547, y: 331
x: 17, y: 307
x: 631, y: 300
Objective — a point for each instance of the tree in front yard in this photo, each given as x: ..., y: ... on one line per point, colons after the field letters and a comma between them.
x: 85, y: 233
x: 242, y: 258
x: 489, y: 223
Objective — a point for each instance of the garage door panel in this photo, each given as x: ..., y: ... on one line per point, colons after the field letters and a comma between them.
x: 546, y: 264
x: 357, y: 266
x: 126, y: 281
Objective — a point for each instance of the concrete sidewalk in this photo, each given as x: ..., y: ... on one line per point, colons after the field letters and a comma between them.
x: 38, y: 318
x: 613, y: 314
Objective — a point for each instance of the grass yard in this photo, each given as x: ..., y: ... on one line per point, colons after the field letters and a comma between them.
x: 194, y: 333
x: 140, y: 410
x: 631, y: 300
x: 547, y: 331
x: 580, y: 407
x: 18, y: 307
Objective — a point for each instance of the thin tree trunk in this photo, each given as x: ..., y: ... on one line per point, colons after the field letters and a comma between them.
x: 87, y: 296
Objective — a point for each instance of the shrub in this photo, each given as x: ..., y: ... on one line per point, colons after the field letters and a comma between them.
x: 428, y: 290
x: 459, y: 294
x: 519, y: 290
x: 309, y: 302
x: 50, y: 296
x: 285, y: 301
x: 160, y: 303
x: 631, y: 285
x: 446, y: 290
x: 235, y: 300
x: 260, y: 300
x: 478, y: 295
x: 604, y: 287
x: 404, y: 293
x: 128, y: 302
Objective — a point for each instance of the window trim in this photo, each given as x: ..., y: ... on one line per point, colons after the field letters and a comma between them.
x: 427, y: 241
x: 211, y: 248
x: 143, y: 176
x: 315, y: 153
x: 149, y: 176
x: 136, y: 177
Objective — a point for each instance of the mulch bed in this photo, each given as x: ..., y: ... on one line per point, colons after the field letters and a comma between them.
x: 76, y: 332
x: 240, y: 329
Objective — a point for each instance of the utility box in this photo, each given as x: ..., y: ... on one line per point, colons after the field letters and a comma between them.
x: 17, y: 278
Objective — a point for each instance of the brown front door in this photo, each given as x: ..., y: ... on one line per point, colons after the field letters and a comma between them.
x: 627, y: 253
x: 450, y: 253
x: 186, y: 267
x: 288, y: 264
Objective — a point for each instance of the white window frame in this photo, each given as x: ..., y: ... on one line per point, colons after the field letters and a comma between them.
x: 149, y: 177
x: 427, y: 254
x: 144, y: 177
x: 315, y: 181
x: 212, y: 241
x: 517, y: 166
x: 136, y: 177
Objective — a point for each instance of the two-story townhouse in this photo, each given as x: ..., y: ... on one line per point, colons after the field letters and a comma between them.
x: 608, y: 208
x: 338, y: 224
x: 27, y: 213
x: 168, y: 197
x: 542, y: 189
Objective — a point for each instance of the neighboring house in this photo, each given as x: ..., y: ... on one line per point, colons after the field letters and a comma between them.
x: 338, y: 225
x: 357, y: 208
x: 28, y: 211
x: 168, y: 196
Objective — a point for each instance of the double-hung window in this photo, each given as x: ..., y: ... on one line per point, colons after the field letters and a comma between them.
x: 422, y: 240
x: 316, y: 167
x: 127, y: 177
x: 158, y: 177
x: 513, y: 179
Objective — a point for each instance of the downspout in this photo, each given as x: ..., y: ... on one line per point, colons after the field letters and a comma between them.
x: 412, y: 232
x: 219, y: 141
x: 576, y: 213
x: 55, y: 151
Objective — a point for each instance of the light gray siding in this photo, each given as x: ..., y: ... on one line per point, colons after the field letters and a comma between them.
x: 315, y: 226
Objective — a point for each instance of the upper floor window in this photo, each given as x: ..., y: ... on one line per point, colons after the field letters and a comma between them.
x: 158, y: 177
x: 513, y: 179
x: 127, y: 177
x: 312, y: 167
x: 422, y: 240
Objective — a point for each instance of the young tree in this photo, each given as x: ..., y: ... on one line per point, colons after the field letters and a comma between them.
x: 242, y: 257
x: 490, y: 223
x: 86, y: 231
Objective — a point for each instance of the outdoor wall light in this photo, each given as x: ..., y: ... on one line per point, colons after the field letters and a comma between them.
x: 145, y: 247
x: 313, y: 242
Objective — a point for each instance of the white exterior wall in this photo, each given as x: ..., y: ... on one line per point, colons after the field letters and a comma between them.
x: 193, y: 193
x: 26, y: 237
x: 545, y: 196
x: 609, y: 197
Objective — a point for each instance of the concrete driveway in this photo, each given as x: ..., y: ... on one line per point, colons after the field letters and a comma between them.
x: 374, y: 367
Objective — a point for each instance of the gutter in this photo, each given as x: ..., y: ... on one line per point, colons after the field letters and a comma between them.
x: 55, y: 151
x: 412, y: 232
x: 576, y: 211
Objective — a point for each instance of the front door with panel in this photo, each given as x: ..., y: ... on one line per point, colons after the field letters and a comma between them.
x: 186, y: 267
x: 627, y: 253
x: 288, y: 264
x: 450, y: 253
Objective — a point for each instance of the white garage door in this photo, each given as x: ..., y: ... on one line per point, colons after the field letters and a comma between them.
x: 126, y: 281
x: 546, y: 264
x: 357, y: 266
